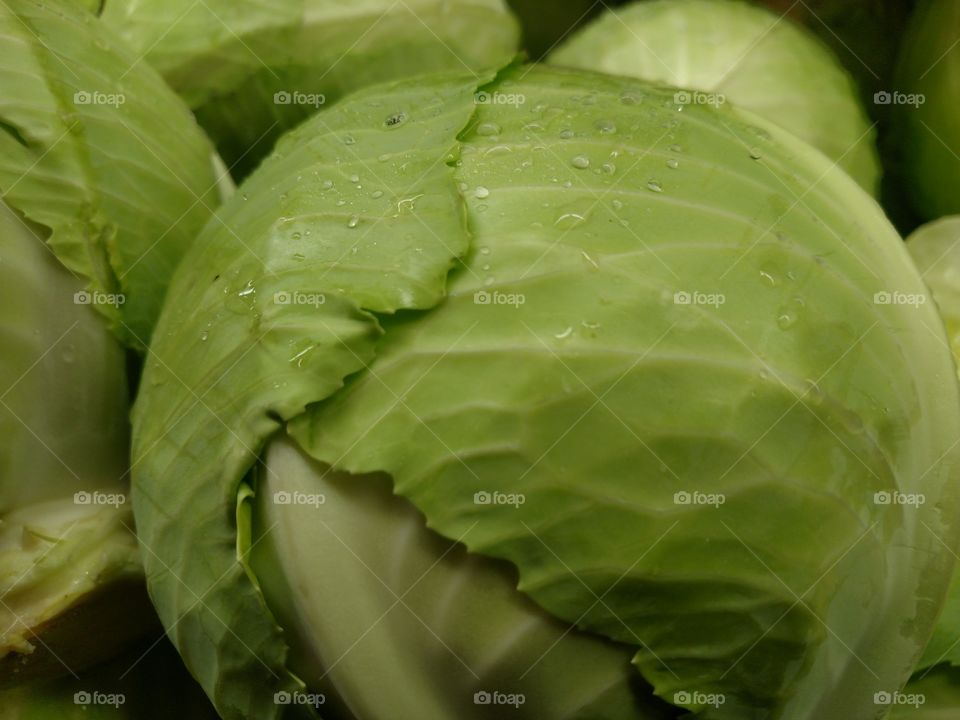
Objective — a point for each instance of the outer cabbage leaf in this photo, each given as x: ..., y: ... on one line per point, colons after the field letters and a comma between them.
x: 733, y: 51
x: 935, y: 248
x: 356, y: 212
x: 95, y: 147
x: 685, y: 338
x: 252, y: 70
x: 66, y: 558
x: 441, y: 630
x: 928, y: 129
x: 63, y: 385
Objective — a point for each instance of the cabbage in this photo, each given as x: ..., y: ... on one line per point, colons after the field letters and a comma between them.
x: 95, y: 148
x: 251, y: 70
x: 928, y: 128
x: 731, y: 51
x: 653, y: 382
x: 105, y: 180
x: 935, y: 248
x: 63, y: 420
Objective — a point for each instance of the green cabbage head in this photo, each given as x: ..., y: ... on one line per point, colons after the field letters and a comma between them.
x: 730, y: 51
x: 547, y: 395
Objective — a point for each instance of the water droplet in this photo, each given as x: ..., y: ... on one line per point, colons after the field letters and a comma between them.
x: 326, y: 184
x: 384, y: 157
x: 673, y: 164
x: 566, y: 134
x: 487, y: 129
x: 564, y: 334
x: 204, y: 335
x: 570, y: 220
x: 607, y: 127
x: 354, y: 178
x: 617, y: 205
x: 247, y: 290
x: 484, y: 250
x: 756, y: 153
x: 654, y: 186
x: 786, y: 320
x: 498, y: 150
x: 395, y: 119
x: 295, y: 235
x: 676, y: 148
x: 349, y: 140
x: 376, y: 194
x: 580, y: 162
x: 481, y: 192
x: 608, y: 168
x: 631, y: 98
x: 770, y: 274
x: 353, y: 222
x: 590, y: 325
x: 299, y: 257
